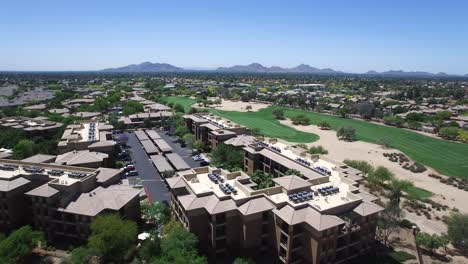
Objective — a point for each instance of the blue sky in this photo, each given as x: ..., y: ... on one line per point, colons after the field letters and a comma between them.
x: 353, y: 36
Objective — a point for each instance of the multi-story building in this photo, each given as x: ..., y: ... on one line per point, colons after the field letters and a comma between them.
x: 38, y: 125
x: 88, y: 135
x: 138, y: 120
x: 312, y: 218
x: 212, y: 129
x: 61, y: 200
x: 277, y: 157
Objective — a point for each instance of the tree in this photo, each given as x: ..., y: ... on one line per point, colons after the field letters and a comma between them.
x: 155, y: 213
x: 179, y: 108
x: 178, y: 246
x: 19, y: 244
x: 387, y: 222
x: 347, y: 133
x: 150, y: 248
x: 24, y: 149
x: 198, y: 144
x: 361, y: 165
x: 300, y: 120
x: 278, y: 113
x: 227, y: 157
x: 343, y: 112
x: 414, y: 125
x: 243, y: 261
x: 80, y: 255
x: 112, y: 237
x: 132, y: 107
x: 324, y: 125
x: 317, y: 150
x: 393, y: 120
x: 248, y: 108
x: 366, y: 110
x: 262, y: 179
x: 189, y: 139
x: 430, y: 242
x: 443, y: 115
x: 168, y: 174
x: 449, y: 132
x: 380, y: 175
x: 256, y: 131
x: 458, y: 230
x: 293, y: 172
x: 396, y: 189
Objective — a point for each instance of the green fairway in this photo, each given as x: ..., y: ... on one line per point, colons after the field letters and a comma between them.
x: 417, y: 193
x: 446, y: 157
x: 267, y: 124
x: 184, y: 101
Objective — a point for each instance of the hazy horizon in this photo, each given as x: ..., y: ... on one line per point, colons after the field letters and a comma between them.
x: 349, y: 37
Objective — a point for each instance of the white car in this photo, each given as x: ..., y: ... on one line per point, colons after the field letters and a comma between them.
x: 197, y: 158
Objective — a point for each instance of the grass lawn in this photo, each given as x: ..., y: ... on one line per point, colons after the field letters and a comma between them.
x: 417, y: 193
x: 267, y: 124
x: 401, y: 256
x: 186, y: 102
x: 446, y: 157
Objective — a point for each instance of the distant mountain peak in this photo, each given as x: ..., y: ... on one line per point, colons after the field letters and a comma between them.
x: 256, y: 67
x: 259, y: 68
x: 146, y: 67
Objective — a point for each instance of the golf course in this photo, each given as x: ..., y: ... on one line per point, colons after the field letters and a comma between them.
x: 449, y: 158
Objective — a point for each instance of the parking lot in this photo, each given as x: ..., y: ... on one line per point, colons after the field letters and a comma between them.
x: 151, y: 180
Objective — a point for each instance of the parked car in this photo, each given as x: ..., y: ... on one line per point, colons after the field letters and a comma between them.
x: 131, y: 173
x: 197, y: 158
x: 204, y: 163
x: 129, y: 167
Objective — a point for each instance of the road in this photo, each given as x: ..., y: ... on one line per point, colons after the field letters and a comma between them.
x: 152, y: 182
x: 151, y: 179
x: 184, y: 153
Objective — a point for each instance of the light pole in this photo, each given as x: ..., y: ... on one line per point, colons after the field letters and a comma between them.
x: 418, y: 250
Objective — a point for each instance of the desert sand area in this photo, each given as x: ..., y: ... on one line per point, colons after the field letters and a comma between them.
x: 239, y: 106
x: 373, y: 153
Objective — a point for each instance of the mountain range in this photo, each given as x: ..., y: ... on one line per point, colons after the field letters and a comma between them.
x: 146, y: 67
x: 150, y: 67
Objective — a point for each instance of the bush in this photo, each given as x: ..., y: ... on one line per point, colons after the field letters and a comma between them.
x: 449, y: 132
x: 300, y: 120
x: 278, y: 113
x: 318, y: 150
x: 405, y: 223
x: 324, y: 125
x: 361, y: 165
x: 346, y: 133
x: 417, y: 168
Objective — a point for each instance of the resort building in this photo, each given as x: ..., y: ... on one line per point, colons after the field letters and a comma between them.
x: 318, y: 217
x: 83, y: 158
x: 61, y: 200
x: 38, y: 125
x: 212, y: 129
x: 88, y: 135
x: 138, y: 120
x: 276, y: 157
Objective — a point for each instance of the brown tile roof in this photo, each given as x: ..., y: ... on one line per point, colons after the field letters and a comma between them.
x: 292, y: 182
x: 254, y: 206
x: 309, y: 216
x: 112, y: 198
x: 366, y: 208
